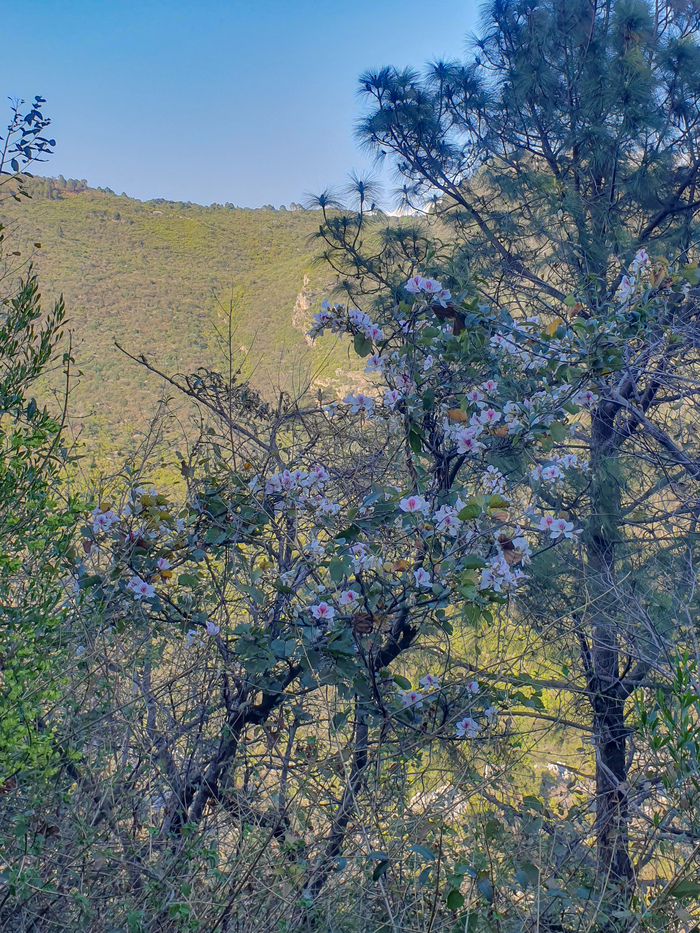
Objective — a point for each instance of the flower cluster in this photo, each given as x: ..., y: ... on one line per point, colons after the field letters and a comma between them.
x: 145, y: 530
x: 629, y: 284
x: 359, y: 403
x: 429, y: 287
x: 557, y: 527
x: 354, y: 321
x: 553, y: 472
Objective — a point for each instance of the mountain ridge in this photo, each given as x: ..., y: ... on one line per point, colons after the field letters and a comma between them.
x: 159, y: 278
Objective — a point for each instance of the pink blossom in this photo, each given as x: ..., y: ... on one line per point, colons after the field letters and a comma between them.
x: 415, y: 285
x: 467, y: 728
x: 212, y: 629
x: 412, y: 698
x: 413, y: 504
x: 467, y: 443
x: 430, y: 682
x: 641, y: 260
x: 446, y: 520
x: 359, y: 402
x: 550, y: 473
x: 374, y: 364
x: 488, y: 580
x: 348, y: 598
x: 140, y: 588
x: 422, y: 578
x: 318, y: 474
x: 489, y: 416
x: 391, y: 397
x: 101, y: 521
x: 359, y: 318
x: 626, y: 289
x: 586, y: 398
x: 323, y: 611
x: 560, y: 527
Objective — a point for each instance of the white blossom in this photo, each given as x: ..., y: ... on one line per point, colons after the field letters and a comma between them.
x: 430, y: 682
x: 140, y: 588
x: 413, y: 504
x: 467, y: 728
x: 323, y: 611
x: 348, y: 598
x: 422, y: 578
x: 359, y: 402
x: 412, y: 699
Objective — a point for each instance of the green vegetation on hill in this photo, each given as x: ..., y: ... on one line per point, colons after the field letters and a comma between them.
x: 159, y: 277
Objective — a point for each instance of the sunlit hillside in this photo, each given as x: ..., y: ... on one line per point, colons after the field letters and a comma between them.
x: 159, y: 278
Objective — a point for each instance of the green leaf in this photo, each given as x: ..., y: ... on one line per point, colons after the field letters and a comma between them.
x: 571, y: 408
x: 352, y: 531
x: 685, y: 888
x: 467, y: 923
x: 486, y: 888
x: 472, y: 562
x: 414, y: 440
x: 455, y: 899
x: 691, y: 273
x: 570, y: 301
x: 380, y: 870
x: 470, y: 510
x: 363, y: 346
x: 255, y: 594
x: 423, y: 851
x: 340, y: 719
x: 336, y: 570
x: 188, y: 579
x: 559, y: 432
x: 402, y: 682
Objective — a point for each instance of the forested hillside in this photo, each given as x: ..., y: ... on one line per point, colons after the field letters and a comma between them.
x: 159, y: 278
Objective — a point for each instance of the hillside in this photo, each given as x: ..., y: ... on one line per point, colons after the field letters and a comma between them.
x: 159, y: 278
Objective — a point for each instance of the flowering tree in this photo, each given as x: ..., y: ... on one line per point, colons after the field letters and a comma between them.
x: 321, y: 662
x: 326, y: 586
x: 560, y: 166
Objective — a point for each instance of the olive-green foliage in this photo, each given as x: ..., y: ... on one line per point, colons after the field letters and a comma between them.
x: 35, y: 527
x: 158, y: 277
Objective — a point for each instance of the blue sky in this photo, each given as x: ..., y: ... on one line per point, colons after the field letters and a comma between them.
x: 204, y: 100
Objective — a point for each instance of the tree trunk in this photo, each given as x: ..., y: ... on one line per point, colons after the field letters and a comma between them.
x: 346, y: 807
x: 604, y: 616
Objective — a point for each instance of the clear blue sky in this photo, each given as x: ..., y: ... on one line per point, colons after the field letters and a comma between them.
x: 206, y: 100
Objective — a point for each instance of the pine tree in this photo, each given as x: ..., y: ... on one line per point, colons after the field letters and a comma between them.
x: 569, y: 143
